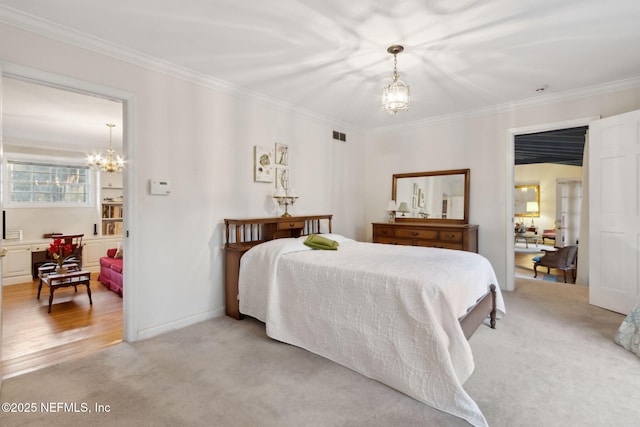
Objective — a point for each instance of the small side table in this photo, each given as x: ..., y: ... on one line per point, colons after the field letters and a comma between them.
x: 63, y: 280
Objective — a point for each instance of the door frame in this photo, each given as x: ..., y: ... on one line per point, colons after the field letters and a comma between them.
x: 128, y: 100
x: 510, y: 177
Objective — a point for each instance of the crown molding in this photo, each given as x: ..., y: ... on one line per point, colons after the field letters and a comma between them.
x: 73, y: 37
x: 70, y: 36
x: 546, y: 99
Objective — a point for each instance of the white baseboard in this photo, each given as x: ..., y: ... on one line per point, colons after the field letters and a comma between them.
x: 178, y: 324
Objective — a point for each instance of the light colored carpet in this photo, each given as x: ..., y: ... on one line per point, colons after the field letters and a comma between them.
x: 550, y: 362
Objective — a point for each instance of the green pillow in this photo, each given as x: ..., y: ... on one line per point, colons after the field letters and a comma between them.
x: 316, y: 241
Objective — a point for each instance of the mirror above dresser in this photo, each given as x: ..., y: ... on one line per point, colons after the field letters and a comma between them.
x: 434, y: 197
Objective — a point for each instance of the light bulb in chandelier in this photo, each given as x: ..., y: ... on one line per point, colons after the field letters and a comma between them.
x: 395, y: 96
x: 110, y: 163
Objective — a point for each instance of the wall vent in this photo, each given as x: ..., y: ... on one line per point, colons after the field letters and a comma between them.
x: 339, y: 136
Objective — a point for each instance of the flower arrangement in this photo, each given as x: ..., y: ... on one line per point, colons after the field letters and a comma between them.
x: 520, y: 227
x: 61, y: 252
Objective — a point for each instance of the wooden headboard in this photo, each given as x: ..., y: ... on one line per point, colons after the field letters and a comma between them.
x: 243, y: 234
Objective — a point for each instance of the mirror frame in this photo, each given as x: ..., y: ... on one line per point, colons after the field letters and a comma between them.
x: 465, y: 172
x: 536, y: 187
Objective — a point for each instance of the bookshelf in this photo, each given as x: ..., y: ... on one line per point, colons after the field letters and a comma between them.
x: 111, y: 219
x: 111, y: 205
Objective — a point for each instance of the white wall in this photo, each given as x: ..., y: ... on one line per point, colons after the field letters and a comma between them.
x: 202, y: 140
x: 477, y: 142
x: 545, y: 175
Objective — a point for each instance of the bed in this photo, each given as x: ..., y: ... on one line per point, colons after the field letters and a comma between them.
x: 397, y: 322
x: 111, y: 271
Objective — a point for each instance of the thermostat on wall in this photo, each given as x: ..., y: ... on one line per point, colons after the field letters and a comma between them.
x: 161, y: 187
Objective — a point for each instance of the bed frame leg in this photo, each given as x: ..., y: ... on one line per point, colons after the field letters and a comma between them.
x: 492, y: 316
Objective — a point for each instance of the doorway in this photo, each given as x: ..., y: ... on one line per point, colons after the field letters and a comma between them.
x: 533, y: 156
x: 49, y: 123
x: 549, y: 165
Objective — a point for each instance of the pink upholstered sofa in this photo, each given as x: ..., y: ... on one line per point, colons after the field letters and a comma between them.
x: 111, y: 271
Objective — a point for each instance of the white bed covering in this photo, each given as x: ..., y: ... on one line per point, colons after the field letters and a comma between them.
x: 388, y: 312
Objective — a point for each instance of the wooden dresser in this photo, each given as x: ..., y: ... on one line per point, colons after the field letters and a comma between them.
x: 449, y: 236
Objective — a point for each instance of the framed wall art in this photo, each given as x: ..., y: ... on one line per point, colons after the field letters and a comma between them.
x: 282, y: 154
x: 263, y: 164
x: 282, y: 179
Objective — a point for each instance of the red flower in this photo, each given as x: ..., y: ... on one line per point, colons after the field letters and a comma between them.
x: 59, y: 251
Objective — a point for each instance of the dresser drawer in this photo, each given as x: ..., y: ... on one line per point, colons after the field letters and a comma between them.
x: 290, y: 225
x: 439, y: 244
x: 393, y: 241
x: 462, y: 237
x: 416, y: 233
x: 380, y: 232
x: 450, y: 236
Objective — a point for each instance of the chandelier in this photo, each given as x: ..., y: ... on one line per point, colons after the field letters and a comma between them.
x: 395, y: 96
x: 112, y: 163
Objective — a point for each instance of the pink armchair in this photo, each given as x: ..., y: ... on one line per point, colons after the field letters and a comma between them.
x: 549, y: 234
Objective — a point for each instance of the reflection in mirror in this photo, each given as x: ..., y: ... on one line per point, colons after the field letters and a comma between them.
x: 432, y: 196
x: 527, y: 201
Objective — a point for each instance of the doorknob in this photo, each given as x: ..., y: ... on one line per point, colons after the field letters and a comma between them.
x: 3, y: 252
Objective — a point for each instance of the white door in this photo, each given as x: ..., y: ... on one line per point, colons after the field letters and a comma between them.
x: 614, y: 222
x: 568, y: 196
x: 3, y: 250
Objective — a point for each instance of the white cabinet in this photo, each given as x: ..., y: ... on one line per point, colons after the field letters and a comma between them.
x: 92, y: 250
x: 17, y: 263
x: 21, y: 259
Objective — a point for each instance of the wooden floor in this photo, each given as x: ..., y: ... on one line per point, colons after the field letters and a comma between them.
x: 33, y: 338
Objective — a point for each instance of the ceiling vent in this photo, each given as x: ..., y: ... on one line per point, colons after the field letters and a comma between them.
x: 339, y: 136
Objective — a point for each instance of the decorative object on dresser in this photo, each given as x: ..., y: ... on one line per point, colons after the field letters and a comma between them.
x: 463, y: 237
x: 391, y: 210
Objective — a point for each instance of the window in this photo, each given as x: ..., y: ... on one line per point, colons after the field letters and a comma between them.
x: 42, y: 184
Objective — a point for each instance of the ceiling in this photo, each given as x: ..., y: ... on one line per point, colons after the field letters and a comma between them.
x: 50, y: 121
x: 564, y: 147
x: 328, y: 58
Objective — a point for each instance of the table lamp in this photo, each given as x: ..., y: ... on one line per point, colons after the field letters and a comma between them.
x: 392, y: 208
x: 532, y: 207
x: 403, y: 208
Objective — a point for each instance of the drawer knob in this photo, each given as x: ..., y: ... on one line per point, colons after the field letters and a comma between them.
x: 414, y: 233
x: 451, y: 236
x: 292, y: 224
